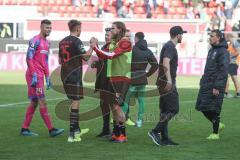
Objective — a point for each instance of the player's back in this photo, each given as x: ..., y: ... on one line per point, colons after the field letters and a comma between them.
x: 69, y: 49
x: 70, y: 55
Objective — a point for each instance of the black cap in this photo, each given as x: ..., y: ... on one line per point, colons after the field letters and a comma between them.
x: 175, y: 30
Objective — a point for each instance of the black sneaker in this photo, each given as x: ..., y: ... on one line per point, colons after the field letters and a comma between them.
x: 104, y: 135
x: 237, y: 95
x: 168, y: 142
x: 155, y: 137
x: 27, y: 132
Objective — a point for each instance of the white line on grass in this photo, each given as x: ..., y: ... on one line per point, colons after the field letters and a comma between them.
x: 24, y: 102
x: 12, y: 105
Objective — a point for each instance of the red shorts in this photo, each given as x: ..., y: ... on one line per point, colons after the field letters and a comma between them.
x: 37, y: 91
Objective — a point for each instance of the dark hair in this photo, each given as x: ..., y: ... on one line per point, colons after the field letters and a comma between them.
x: 219, y: 34
x: 140, y: 35
x: 46, y: 21
x: 72, y: 24
x: 122, y: 27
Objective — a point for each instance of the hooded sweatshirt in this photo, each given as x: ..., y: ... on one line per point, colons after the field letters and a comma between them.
x: 141, y: 57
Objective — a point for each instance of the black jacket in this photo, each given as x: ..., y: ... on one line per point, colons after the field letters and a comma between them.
x: 101, y: 74
x: 215, y: 76
x: 141, y: 57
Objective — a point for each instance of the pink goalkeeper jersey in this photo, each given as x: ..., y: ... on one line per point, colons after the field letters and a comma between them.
x: 37, y: 56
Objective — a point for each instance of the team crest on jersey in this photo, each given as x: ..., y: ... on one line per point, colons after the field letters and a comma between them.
x: 32, y: 45
x: 214, y: 55
x: 82, y: 49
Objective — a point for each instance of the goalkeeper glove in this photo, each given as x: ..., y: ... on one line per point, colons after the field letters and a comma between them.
x: 34, y: 80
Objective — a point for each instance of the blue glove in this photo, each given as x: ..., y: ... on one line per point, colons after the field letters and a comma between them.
x: 34, y: 80
x: 48, y: 83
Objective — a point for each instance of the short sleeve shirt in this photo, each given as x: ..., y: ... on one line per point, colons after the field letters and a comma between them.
x: 70, y: 50
x: 169, y: 50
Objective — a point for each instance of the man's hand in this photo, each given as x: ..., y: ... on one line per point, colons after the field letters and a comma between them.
x: 93, y: 42
x: 48, y: 83
x: 34, y: 80
x: 215, y: 92
x: 94, y: 64
x: 168, y: 86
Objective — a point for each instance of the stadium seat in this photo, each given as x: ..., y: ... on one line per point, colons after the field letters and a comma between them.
x: 176, y: 3
x: 44, y: 2
x: 138, y: 10
x: 94, y: 9
x: 139, y: 16
x: 54, y: 9
x: 181, y: 10
x: 25, y: 2
x: 172, y: 10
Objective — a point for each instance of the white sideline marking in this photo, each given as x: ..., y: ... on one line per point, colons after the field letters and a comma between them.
x: 24, y: 102
x: 12, y: 105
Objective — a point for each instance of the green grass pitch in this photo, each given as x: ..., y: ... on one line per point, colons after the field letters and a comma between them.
x: 189, y: 128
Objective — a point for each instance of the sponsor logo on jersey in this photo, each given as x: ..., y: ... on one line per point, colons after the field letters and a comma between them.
x: 44, y: 51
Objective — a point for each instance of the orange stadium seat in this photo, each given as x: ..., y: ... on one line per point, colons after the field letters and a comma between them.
x: 71, y: 9
x: 62, y: 9
x: 176, y: 3
x: 52, y: 2
x: 181, y: 10
x: 95, y: 9
x: 113, y: 10
x: 211, y: 11
x: 138, y: 3
x: 44, y: 2
x: 54, y: 9
x: 172, y: 10
x: 25, y: 2
x: 138, y: 10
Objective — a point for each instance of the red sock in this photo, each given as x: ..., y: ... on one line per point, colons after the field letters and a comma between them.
x: 28, y: 116
x: 46, y: 117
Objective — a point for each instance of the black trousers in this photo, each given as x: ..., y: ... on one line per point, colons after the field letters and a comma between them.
x: 169, y: 107
x: 214, y: 118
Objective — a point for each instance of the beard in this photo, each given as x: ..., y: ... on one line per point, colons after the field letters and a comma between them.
x: 114, y: 36
x: 180, y: 40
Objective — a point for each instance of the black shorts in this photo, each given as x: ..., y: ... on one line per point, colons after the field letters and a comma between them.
x: 73, y: 86
x: 232, y: 69
x: 169, y: 103
x: 119, y: 90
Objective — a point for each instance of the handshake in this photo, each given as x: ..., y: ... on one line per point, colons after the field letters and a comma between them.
x: 93, y: 42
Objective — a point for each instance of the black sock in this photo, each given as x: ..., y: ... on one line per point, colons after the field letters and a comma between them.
x: 164, y: 131
x: 158, y: 127
x: 74, y: 120
x: 116, y: 130
x: 214, y: 118
x: 122, y: 129
x: 215, y: 122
